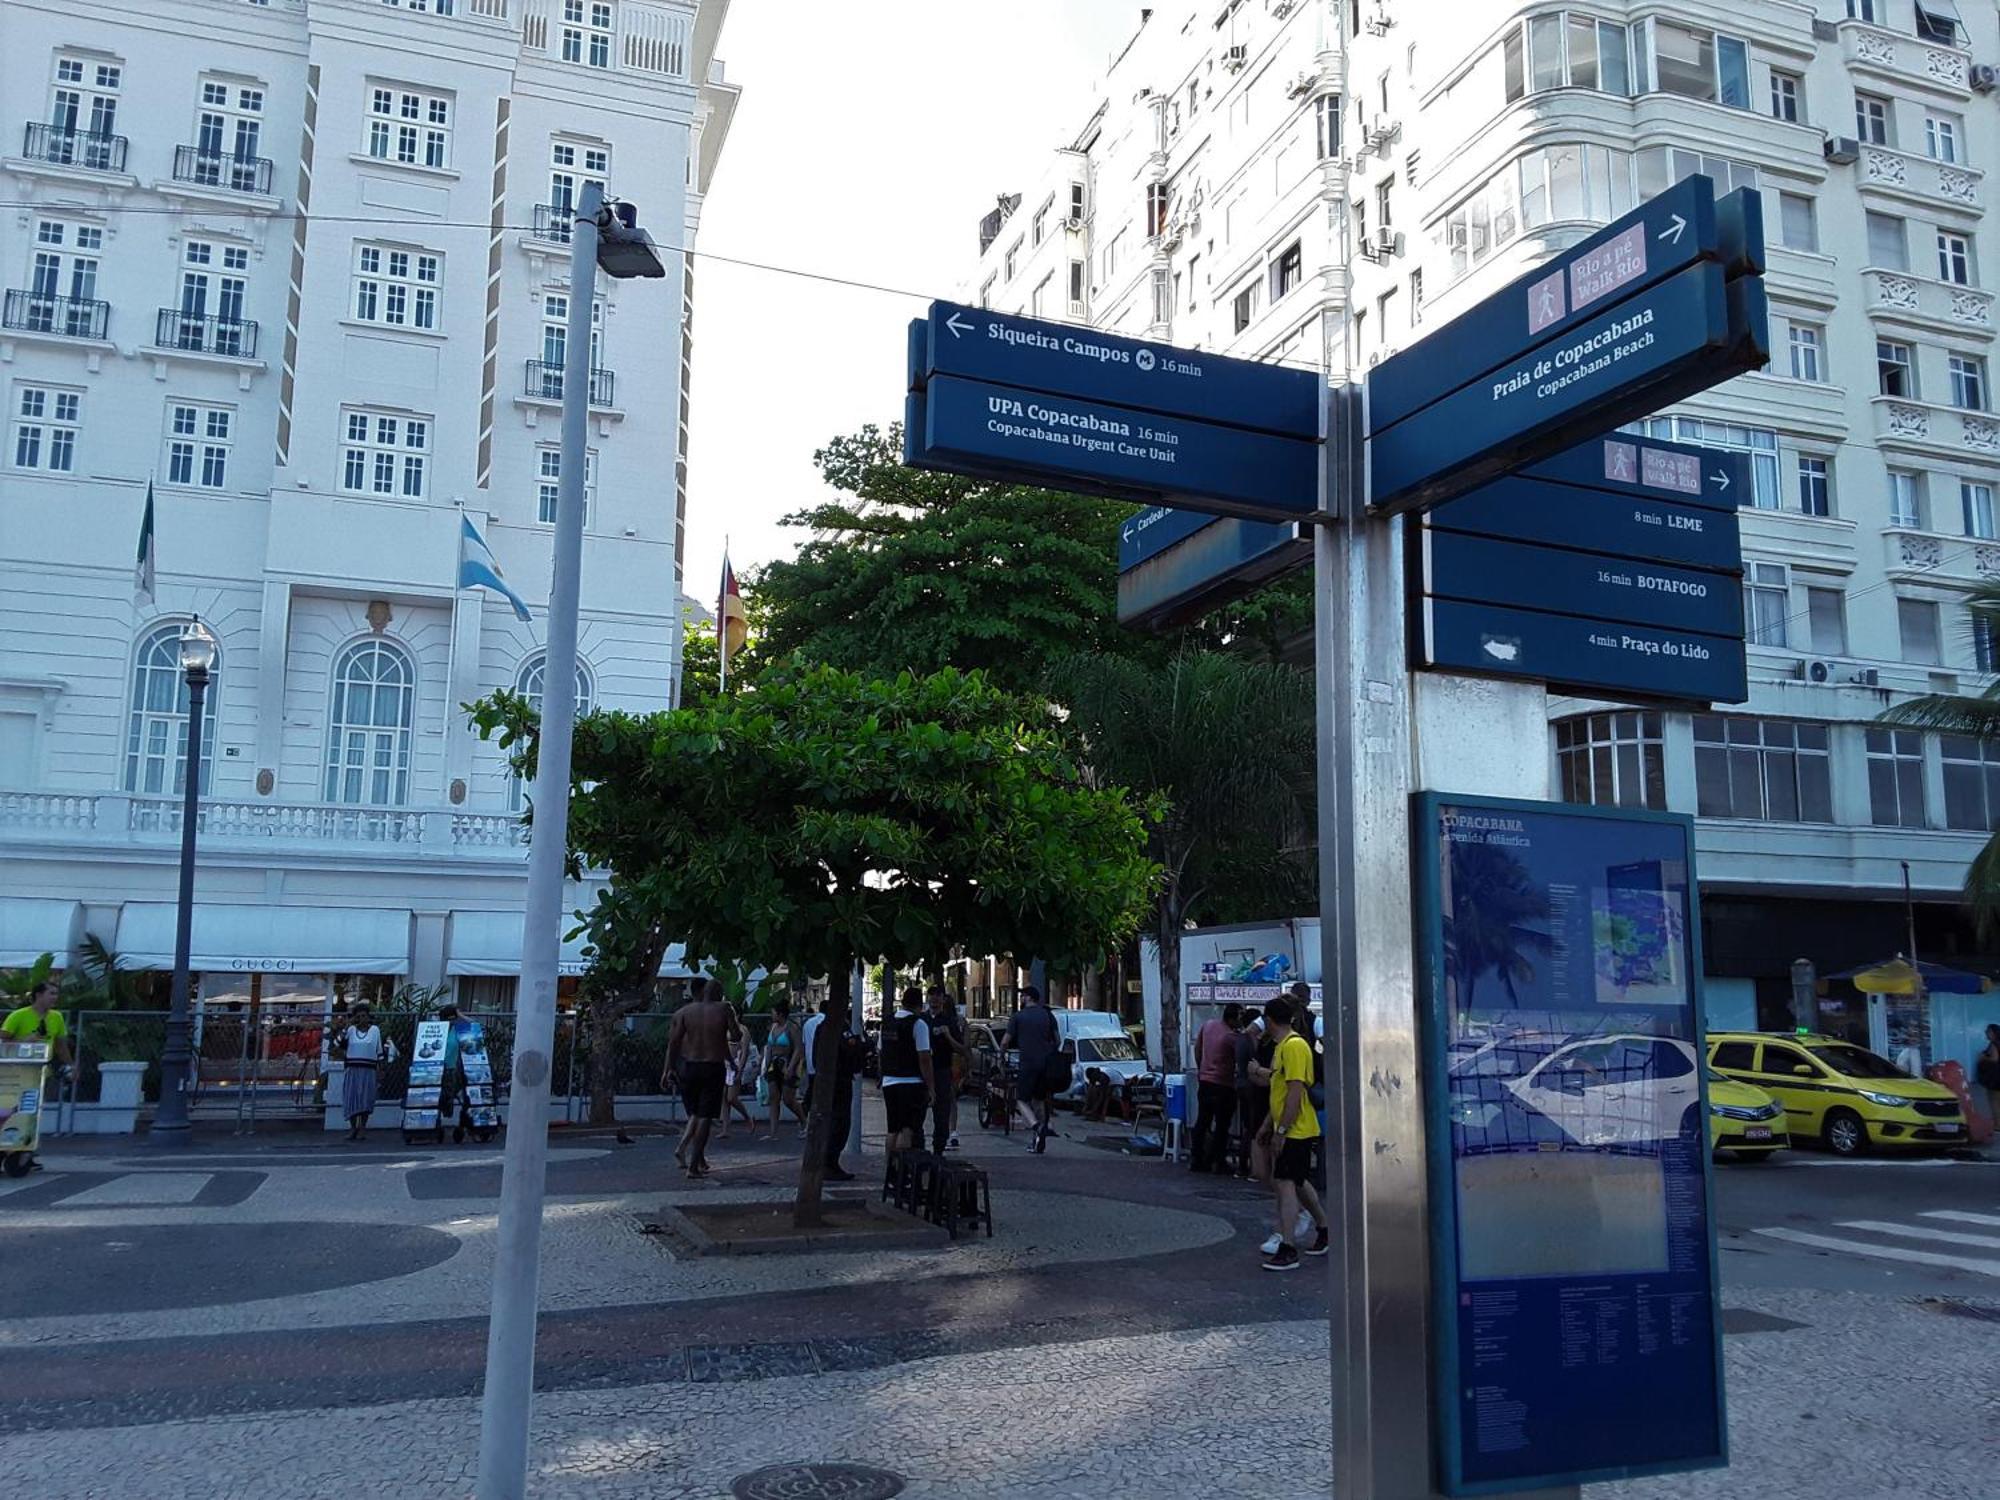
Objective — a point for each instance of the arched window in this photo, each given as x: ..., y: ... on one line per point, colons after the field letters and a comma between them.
x: 369, y: 725
x: 529, y: 685
x: 156, y: 739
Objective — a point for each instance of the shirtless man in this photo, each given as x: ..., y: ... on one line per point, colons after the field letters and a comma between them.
x: 698, y: 1047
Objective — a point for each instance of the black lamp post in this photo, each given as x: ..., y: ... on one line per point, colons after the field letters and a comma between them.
x: 170, y: 1120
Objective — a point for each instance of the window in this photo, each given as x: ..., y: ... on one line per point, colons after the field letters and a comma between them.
x: 1936, y: 22
x: 1906, y: 499
x: 1038, y: 228
x: 1701, y: 64
x: 986, y: 291
x: 46, y: 422
x: 1558, y: 51
x: 1770, y: 769
x: 228, y: 127
x: 1954, y: 258
x: 1785, y: 91
x: 1037, y: 299
x: 1941, y: 136
x: 156, y: 732
x: 1612, y: 760
x: 1985, y: 642
x: 1896, y: 778
x: 1076, y: 285
x: 410, y: 127
x: 528, y: 684
x: 1076, y: 202
x: 1863, y: 10
x: 1895, y: 369
x: 440, y: 7
x: 1326, y: 126
x: 1976, y: 501
x: 1242, y: 308
x: 585, y: 35
x: 370, y: 724
x: 1761, y: 443
x: 1156, y: 209
x: 555, y: 344
x: 198, y: 440
x: 1871, y: 119
x: 1815, y: 486
x: 548, y: 484
x: 1971, y: 783
x: 1416, y: 297
x: 1806, y: 340
x: 397, y: 287
x: 1767, y: 602
x: 1287, y: 271
x: 213, y: 278
x: 1163, y: 296
x: 1917, y: 622
x: 1385, y: 312
x: 83, y: 114
x: 1735, y: 1057
x: 1010, y: 261
x: 1382, y: 191
x: 572, y: 166
x: 384, y: 454
x: 1888, y: 245
x: 62, y: 280
x: 1797, y: 223
x: 1360, y: 216
x: 1826, y: 613
x: 1968, y: 381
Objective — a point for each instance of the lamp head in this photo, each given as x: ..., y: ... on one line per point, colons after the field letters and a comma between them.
x: 197, y: 649
x: 624, y: 250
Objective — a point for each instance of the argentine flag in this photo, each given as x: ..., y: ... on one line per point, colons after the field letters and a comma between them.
x: 479, y: 569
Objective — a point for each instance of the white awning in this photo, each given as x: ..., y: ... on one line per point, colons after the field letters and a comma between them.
x: 488, y: 943
x: 270, y: 939
x: 30, y: 927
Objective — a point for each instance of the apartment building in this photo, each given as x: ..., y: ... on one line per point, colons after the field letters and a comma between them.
x: 300, y: 266
x: 1257, y: 172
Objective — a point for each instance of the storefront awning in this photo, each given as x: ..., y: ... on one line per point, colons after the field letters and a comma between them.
x: 30, y: 927
x: 488, y: 944
x: 270, y: 939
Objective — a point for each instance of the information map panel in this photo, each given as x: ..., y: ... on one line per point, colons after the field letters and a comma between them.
x: 1578, y: 1335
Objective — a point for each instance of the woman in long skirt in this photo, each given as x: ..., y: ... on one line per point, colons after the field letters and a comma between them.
x: 365, y: 1049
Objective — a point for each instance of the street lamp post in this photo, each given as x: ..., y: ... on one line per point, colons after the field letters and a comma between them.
x: 170, y: 1120
x: 601, y: 237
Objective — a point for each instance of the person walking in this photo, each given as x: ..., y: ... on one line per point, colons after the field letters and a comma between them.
x: 948, y: 1061
x: 1032, y: 1031
x: 365, y: 1050
x: 1215, y: 1089
x: 698, y: 1046
x: 908, y: 1072
x: 783, y: 1065
x: 40, y: 1019
x: 740, y: 1064
x: 1292, y: 1128
x: 1986, y: 1071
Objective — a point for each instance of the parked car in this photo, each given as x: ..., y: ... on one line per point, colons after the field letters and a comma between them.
x: 1843, y: 1096
x: 1101, y: 1042
x: 1744, y: 1120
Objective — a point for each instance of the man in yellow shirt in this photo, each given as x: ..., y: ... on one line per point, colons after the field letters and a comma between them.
x: 39, y: 1020
x: 1293, y: 1128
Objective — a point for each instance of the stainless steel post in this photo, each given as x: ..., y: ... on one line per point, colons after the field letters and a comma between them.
x: 510, y: 1340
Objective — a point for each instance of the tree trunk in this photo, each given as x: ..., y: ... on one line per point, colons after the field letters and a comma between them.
x: 806, y: 1212
x: 1170, y: 986
x: 602, y: 1015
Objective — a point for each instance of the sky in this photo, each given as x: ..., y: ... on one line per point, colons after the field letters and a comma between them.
x: 870, y: 139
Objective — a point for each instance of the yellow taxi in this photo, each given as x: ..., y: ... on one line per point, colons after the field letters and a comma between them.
x: 1744, y: 1120
x: 1843, y: 1096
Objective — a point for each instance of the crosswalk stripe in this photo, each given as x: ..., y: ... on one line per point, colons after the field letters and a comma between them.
x: 1885, y: 1252
x: 1962, y: 1216
x: 1923, y: 1232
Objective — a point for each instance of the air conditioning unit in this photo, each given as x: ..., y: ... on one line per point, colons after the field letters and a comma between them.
x: 1380, y: 244
x: 1843, y: 150
x: 1381, y: 130
x: 1234, y: 58
x: 1379, y: 21
x: 1302, y: 85
x: 1866, y: 677
x: 1283, y: 8
x: 1073, y: 222
x: 1983, y: 77
x: 1814, y: 671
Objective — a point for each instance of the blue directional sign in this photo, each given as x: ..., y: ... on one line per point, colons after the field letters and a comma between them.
x: 1222, y: 561
x: 1484, y: 570
x: 1595, y: 657
x: 1556, y: 515
x: 1063, y: 359
x: 1575, y: 1300
x: 1150, y: 531
x: 1065, y: 443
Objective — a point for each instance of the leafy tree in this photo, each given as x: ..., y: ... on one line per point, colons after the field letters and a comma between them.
x: 626, y: 942
x: 16, y: 985
x: 1225, y: 746
x: 818, y: 815
x: 701, y: 663
x: 1976, y: 716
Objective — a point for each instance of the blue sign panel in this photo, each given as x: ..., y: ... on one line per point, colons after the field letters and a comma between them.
x: 1625, y: 464
x: 1594, y: 657
x: 1222, y: 561
x: 1658, y: 240
x: 1033, y: 438
x: 1149, y: 532
x: 1578, y: 1332
x: 977, y: 344
x: 1641, y: 354
x: 1483, y: 570
x: 1624, y: 527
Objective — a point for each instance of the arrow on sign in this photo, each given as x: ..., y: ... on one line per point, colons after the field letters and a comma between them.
x: 1721, y: 480
x: 958, y: 328
x: 1673, y: 232
x: 1126, y: 534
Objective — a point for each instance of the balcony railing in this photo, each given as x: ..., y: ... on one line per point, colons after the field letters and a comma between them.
x: 238, y: 174
x: 65, y: 147
x: 70, y: 317
x: 196, y: 333
x: 545, y: 383
x: 154, y: 821
x: 552, y: 221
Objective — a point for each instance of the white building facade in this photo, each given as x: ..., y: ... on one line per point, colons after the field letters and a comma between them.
x: 1275, y: 172
x: 301, y: 266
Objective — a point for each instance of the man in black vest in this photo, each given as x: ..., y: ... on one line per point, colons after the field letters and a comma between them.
x: 908, y: 1085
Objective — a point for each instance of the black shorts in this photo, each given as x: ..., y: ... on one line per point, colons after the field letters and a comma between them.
x: 904, y: 1103
x: 701, y: 1088
x: 1295, y: 1160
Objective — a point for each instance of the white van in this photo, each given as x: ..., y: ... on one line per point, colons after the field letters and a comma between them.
x: 1100, y: 1042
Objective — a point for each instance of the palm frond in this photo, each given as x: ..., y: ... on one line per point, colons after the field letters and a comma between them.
x: 1949, y: 713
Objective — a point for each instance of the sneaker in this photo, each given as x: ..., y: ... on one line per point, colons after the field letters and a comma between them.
x: 952, y: 1144
x: 1319, y: 1243
x: 1303, y: 1227
x: 1270, y: 1246
x: 1284, y: 1258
